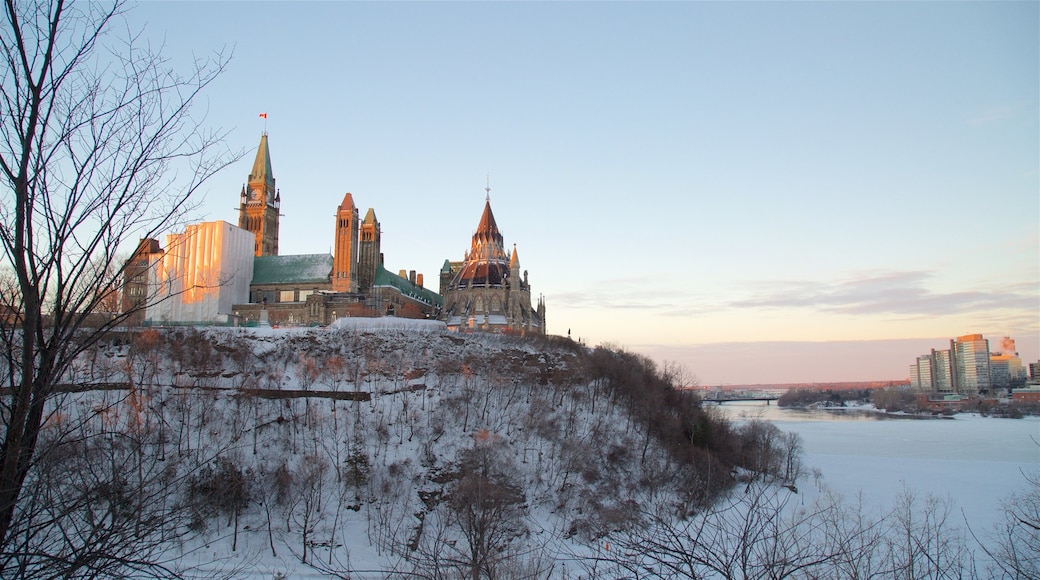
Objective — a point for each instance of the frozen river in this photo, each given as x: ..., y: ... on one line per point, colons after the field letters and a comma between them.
x: 977, y: 461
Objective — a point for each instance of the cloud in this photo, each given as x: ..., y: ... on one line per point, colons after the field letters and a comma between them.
x: 902, y: 294
x: 773, y: 362
x: 899, y: 293
x: 993, y: 115
x: 765, y: 362
x: 641, y: 294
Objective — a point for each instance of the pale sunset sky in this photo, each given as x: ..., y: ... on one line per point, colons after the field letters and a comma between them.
x: 761, y: 192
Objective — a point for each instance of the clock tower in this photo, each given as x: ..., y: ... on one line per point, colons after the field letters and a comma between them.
x: 260, y: 203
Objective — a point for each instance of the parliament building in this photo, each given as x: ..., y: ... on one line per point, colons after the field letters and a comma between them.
x: 184, y: 284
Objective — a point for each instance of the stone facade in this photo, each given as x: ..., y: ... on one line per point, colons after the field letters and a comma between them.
x: 260, y: 203
x: 135, y: 279
x: 344, y: 271
x: 486, y: 291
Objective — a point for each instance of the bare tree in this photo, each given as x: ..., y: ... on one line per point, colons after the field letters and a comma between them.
x: 486, y: 506
x: 757, y: 533
x: 1015, y: 549
x: 97, y: 148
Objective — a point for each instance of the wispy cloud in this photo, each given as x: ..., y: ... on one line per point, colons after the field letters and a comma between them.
x: 899, y: 293
x: 993, y: 115
x: 636, y: 296
x: 770, y: 362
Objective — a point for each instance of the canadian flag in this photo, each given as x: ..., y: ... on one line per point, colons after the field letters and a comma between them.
x: 263, y: 115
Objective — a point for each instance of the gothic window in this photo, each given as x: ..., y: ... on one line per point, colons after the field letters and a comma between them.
x: 479, y: 305
x: 496, y: 304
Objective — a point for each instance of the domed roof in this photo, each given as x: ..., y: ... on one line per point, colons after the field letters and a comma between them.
x: 486, y: 263
x: 476, y: 274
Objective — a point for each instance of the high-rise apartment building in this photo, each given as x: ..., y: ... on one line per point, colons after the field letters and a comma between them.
x: 971, y: 368
x: 963, y: 368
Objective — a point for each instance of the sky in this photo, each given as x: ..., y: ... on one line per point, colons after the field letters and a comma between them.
x: 761, y: 192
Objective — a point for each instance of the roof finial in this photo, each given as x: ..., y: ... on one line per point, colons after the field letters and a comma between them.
x: 487, y: 189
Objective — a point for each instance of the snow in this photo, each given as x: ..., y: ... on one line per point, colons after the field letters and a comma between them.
x: 430, y: 397
x: 386, y: 323
x: 977, y: 461
x: 428, y: 393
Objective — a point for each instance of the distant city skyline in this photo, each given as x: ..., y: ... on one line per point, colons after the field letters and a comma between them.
x: 762, y: 192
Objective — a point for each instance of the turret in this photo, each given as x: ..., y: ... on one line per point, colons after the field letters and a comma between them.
x: 369, y: 258
x: 344, y: 272
x: 514, y: 270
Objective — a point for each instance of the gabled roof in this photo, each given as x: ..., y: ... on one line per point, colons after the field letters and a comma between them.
x: 262, y: 164
x: 298, y: 269
x: 386, y: 278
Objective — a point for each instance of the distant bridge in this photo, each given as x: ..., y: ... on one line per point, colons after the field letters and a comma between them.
x: 726, y: 398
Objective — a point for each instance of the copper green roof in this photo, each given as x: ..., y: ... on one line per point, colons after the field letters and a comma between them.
x: 298, y: 269
x: 414, y: 291
x: 262, y: 163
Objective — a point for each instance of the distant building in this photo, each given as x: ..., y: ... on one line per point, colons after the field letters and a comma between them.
x: 201, y: 270
x: 260, y: 202
x: 1026, y: 395
x: 971, y: 356
x: 486, y: 290
x: 964, y: 368
x: 944, y: 402
x: 345, y: 261
x: 1006, y: 367
x: 135, y: 279
x: 932, y: 372
x: 202, y: 274
x: 307, y: 289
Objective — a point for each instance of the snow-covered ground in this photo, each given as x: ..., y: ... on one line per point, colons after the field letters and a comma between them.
x: 351, y: 439
x: 977, y: 461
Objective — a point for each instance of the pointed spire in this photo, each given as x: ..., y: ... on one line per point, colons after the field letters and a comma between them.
x: 514, y: 262
x: 487, y: 224
x: 487, y: 240
x: 262, y: 164
x: 347, y: 203
x: 370, y: 217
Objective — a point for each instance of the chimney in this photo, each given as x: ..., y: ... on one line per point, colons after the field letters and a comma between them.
x: 418, y: 280
x: 411, y: 276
